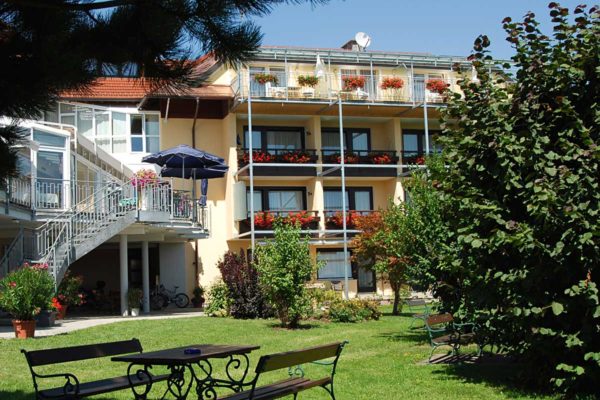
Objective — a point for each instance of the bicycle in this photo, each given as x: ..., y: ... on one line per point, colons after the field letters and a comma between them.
x: 161, y: 297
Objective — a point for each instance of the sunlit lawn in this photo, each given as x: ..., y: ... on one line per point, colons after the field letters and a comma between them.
x: 381, y: 361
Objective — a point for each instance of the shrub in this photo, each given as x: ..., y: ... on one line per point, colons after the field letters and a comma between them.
x: 69, y: 291
x: 245, y: 294
x: 521, y: 198
x: 26, y: 291
x: 218, y: 300
x: 134, y: 297
x: 353, y: 310
x: 284, y: 266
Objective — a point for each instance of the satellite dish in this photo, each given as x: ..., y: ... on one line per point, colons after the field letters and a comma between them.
x: 362, y: 39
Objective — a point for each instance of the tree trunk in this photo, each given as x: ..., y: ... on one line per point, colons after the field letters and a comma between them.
x: 396, y: 309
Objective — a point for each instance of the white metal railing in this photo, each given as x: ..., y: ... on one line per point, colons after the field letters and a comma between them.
x: 367, y: 88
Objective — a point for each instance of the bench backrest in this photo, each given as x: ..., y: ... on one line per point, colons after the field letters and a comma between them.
x: 77, y: 353
x: 416, y: 302
x: 288, y: 359
x: 437, y: 319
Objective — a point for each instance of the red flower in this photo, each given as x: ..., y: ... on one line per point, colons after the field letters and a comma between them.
x: 381, y: 159
x: 337, y: 219
x: 296, y: 157
x: 392, y: 83
x: 304, y: 218
x: 12, y: 284
x: 353, y: 82
x: 263, y: 220
x: 437, y: 86
x: 258, y: 157
x: 420, y: 160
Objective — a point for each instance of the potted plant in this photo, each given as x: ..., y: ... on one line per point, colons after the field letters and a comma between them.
x: 24, y: 293
x: 134, y: 299
x: 392, y: 83
x: 354, y: 82
x: 68, y: 294
x: 141, y: 180
x: 198, y: 298
x: 437, y: 86
x: 266, y: 78
x: 308, y: 82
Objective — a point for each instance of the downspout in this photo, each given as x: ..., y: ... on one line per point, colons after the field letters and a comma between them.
x: 197, y: 283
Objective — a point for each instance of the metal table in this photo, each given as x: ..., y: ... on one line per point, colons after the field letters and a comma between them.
x: 198, y: 365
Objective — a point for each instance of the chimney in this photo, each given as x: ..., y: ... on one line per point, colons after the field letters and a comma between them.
x: 351, y: 45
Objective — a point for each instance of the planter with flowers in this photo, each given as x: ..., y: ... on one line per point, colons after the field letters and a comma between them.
x: 392, y: 84
x: 134, y: 299
x: 198, y: 298
x: 439, y: 87
x: 266, y: 78
x: 24, y: 293
x: 305, y: 219
x: 353, y: 82
x: 68, y: 294
x: 336, y: 220
x: 336, y: 158
x: 298, y: 157
x: 308, y: 83
x: 258, y: 156
x: 382, y: 158
x: 279, y: 156
x: 143, y: 181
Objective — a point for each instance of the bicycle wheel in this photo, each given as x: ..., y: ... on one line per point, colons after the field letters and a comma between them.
x: 182, y: 300
x: 157, y: 302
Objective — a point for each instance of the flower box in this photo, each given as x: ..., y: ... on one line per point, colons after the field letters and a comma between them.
x: 353, y: 82
x: 308, y: 81
x: 392, y: 83
x: 437, y: 86
x: 266, y: 78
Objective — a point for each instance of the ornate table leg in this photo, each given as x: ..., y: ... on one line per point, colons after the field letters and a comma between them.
x: 238, y: 364
x: 176, y: 384
x: 142, y: 373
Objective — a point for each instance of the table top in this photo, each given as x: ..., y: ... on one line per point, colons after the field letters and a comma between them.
x: 176, y: 356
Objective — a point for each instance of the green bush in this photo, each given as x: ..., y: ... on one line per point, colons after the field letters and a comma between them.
x: 26, y: 291
x: 520, y: 195
x: 353, y: 310
x: 218, y: 300
x: 285, y: 266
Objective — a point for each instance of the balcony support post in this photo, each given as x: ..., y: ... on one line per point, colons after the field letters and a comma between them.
x: 251, y: 170
x: 426, y: 123
x: 146, y: 276
x: 343, y: 174
x: 124, y: 274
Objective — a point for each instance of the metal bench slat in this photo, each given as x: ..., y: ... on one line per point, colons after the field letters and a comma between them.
x: 79, y: 353
x: 279, y: 389
x: 287, y: 359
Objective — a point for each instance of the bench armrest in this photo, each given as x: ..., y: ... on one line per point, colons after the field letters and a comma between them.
x: 70, y: 388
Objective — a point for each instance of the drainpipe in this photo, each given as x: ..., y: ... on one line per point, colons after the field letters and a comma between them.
x: 195, y: 209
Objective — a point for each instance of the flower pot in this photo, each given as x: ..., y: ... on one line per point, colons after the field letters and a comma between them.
x: 24, y: 329
x: 61, y: 311
x: 135, y: 312
x: 198, y: 302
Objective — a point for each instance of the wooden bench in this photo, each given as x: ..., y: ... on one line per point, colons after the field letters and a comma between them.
x: 443, y: 331
x: 297, y: 382
x: 73, y: 388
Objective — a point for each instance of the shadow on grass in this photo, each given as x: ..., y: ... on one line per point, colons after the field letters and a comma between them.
x: 300, y: 327
x: 17, y: 395
x: 407, y: 336
x: 501, y: 374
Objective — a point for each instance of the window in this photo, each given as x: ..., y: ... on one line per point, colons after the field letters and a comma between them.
x: 334, y: 262
x: 360, y: 199
x: 284, y: 199
x: 111, y: 129
x: 275, y: 138
x: 413, y: 142
x: 355, y: 140
x: 49, y: 139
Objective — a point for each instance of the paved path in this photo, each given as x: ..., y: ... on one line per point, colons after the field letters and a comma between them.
x: 73, y: 324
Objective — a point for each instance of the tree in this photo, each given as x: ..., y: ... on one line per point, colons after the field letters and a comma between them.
x: 520, y: 197
x: 245, y: 293
x: 48, y: 46
x: 384, y: 241
x: 285, y: 266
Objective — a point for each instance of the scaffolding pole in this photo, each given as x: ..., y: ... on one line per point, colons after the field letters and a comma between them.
x: 251, y: 171
x: 343, y: 176
x: 426, y: 122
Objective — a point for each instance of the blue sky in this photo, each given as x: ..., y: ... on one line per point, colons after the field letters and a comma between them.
x: 441, y: 27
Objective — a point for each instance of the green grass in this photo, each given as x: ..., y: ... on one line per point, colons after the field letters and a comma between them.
x: 379, y: 363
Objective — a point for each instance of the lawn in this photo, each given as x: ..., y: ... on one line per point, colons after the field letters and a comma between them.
x: 379, y: 363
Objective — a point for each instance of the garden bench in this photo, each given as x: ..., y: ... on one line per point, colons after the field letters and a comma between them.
x: 419, y: 310
x: 73, y: 388
x: 297, y: 382
x: 443, y: 331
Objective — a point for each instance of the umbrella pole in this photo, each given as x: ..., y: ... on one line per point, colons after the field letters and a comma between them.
x: 194, y: 197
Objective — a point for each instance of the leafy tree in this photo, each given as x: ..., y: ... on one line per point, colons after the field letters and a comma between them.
x: 285, y: 266
x: 47, y: 46
x: 520, y: 197
x: 384, y: 241
x: 245, y: 293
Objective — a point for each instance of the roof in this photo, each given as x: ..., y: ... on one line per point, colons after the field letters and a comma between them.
x: 111, y: 88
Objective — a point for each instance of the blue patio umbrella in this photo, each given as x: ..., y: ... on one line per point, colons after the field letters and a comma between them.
x: 183, y: 156
x: 215, y: 171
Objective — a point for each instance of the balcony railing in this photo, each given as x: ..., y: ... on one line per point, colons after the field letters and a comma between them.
x: 334, y: 219
x: 381, y: 157
x: 351, y: 88
x: 264, y: 220
x: 260, y: 156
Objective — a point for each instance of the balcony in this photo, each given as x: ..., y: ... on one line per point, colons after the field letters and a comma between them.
x: 334, y: 219
x: 363, y: 157
x: 264, y: 220
x: 303, y: 156
x: 359, y: 88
